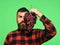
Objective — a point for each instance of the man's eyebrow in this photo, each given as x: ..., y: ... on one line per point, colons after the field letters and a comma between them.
x: 19, y: 15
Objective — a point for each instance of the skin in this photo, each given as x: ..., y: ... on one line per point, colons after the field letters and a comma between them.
x: 20, y: 17
x: 36, y: 12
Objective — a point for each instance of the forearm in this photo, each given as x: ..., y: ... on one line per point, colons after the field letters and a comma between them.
x: 49, y: 30
x: 49, y: 27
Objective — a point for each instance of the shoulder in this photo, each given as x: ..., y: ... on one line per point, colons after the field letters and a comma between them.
x: 37, y: 30
x: 13, y: 32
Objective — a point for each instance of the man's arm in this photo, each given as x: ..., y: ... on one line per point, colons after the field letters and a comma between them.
x: 49, y: 30
x: 7, y: 40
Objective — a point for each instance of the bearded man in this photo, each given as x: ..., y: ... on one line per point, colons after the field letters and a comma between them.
x: 25, y: 34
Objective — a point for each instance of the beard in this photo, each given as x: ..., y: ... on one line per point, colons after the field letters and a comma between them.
x: 25, y: 27
x: 22, y: 26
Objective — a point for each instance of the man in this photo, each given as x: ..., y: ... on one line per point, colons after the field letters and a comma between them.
x: 25, y: 35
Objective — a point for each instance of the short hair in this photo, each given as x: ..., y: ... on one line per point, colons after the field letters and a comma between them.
x: 23, y: 9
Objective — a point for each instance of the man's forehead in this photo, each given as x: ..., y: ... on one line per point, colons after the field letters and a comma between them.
x: 21, y: 13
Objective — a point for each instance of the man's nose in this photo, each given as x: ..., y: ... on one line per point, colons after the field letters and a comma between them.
x: 23, y: 19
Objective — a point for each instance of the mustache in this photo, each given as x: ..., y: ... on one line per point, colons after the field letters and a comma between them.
x: 21, y: 22
x: 22, y: 25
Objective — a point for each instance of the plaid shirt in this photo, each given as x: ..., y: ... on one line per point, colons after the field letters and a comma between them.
x: 37, y: 36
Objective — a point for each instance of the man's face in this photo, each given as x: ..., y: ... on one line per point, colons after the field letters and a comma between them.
x: 25, y: 21
x: 20, y: 20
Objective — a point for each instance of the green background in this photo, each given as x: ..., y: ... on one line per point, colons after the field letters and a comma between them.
x: 8, y: 8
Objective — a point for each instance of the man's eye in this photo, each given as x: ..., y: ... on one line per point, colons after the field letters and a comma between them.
x: 20, y: 16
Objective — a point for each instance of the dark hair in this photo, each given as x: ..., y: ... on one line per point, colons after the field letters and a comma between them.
x: 23, y: 9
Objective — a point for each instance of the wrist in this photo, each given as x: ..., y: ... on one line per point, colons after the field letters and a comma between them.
x: 40, y: 15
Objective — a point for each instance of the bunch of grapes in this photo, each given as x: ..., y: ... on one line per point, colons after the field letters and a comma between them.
x: 30, y: 21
